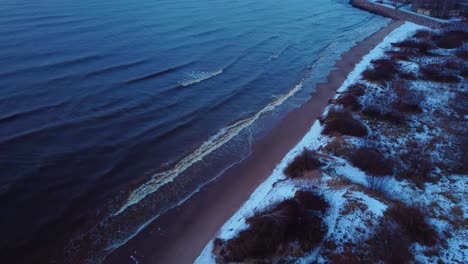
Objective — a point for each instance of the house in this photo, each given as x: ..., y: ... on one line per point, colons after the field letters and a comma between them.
x: 436, y: 8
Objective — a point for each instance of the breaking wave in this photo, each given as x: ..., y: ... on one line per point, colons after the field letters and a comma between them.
x: 198, y: 76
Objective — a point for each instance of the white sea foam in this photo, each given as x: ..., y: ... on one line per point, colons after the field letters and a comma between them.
x: 224, y: 135
x: 216, y: 141
x: 198, y: 76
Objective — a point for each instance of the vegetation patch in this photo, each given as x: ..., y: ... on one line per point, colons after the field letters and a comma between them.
x: 348, y: 101
x: 409, y: 100
x: 372, y: 162
x: 436, y: 73
x: 288, y: 229
x: 418, y: 167
x: 423, y: 34
x: 342, y: 121
x: 383, y: 70
x: 412, y: 221
x: 307, y: 161
x: 420, y: 46
x: 381, y: 106
x: 451, y: 39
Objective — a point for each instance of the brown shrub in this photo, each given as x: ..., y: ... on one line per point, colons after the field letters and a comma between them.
x: 452, y: 64
x: 403, y: 54
x: 356, y: 89
x: 372, y: 162
x: 291, y: 227
x: 423, y: 34
x: 348, y: 101
x: 378, y: 112
x: 383, y: 70
x: 408, y: 76
x: 307, y: 161
x: 451, y: 39
x: 380, y: 106
x: 389, y: 244
x: 342, y: 122
x: 423, y: 47
x: 462, y: 52
x: 338, y: 147
x: 409, y: 100
x: 412, y: 222
x: 418, y: 167
x: 435, y: 73
x: 464, y: 72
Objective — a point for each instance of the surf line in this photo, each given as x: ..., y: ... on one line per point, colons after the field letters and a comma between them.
x: 224, y: 135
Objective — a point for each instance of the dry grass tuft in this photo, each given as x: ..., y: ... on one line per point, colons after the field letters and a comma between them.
x: 372, y: 162
x: 436, y: 73
x: 383, y: 70
x: 307, y: 161
x: 343, y: 122
x: 451, y: 39
x: 423, y: 34
x: 412, y: 221
x: 420, y: 46
x: 290, y: 228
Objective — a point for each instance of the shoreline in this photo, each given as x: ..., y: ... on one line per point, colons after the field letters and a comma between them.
x: 395, y: 13
x: 180, y: 235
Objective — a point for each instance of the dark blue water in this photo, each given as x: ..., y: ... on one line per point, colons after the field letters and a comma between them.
x: 100, y: 100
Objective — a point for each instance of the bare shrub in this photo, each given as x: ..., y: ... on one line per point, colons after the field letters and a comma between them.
x: 452, y: 64
x: 292, y: 227
x: 356, y: 89
x: 389, y: 245
x: 307, y: 161
x: 423, y: 34
x: 451, y: 39
x: 408, y: 76
x: 418, y: 166
x: 435, y: 73
x: 348, y: 101
x: 372, y: 162
x: 338, y: 147
x: 412, y: 222
x: 383, y: 70
x: 343, y: 122
x: 421, y: 46
x: 403, y: 54
x: 409, y: 100
x: 380, y: 106
x: 462, y: 52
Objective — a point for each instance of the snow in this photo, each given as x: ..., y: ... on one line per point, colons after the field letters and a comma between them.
x: 374, y: 205
x: 266, y: 194
x: 354, y: 211
x: 396, y: 35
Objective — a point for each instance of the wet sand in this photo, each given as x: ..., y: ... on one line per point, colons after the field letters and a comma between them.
x: 180, y: 235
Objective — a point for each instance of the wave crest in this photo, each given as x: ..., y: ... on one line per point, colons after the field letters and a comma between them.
x: 198, y: 76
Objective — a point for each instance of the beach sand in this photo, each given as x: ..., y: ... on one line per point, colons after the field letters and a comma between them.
x: 180, y: 235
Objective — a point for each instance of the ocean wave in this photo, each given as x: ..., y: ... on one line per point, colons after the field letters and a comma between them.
x: 224, y: 135
x: 279, y: 53
x: 198, y: 76
x: 157, y: 74
x: 111, y: 69
x: 85, y: 59
x: 213, y: 143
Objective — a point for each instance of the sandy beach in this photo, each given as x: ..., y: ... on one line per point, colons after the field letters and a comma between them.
x: 180, y: 235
